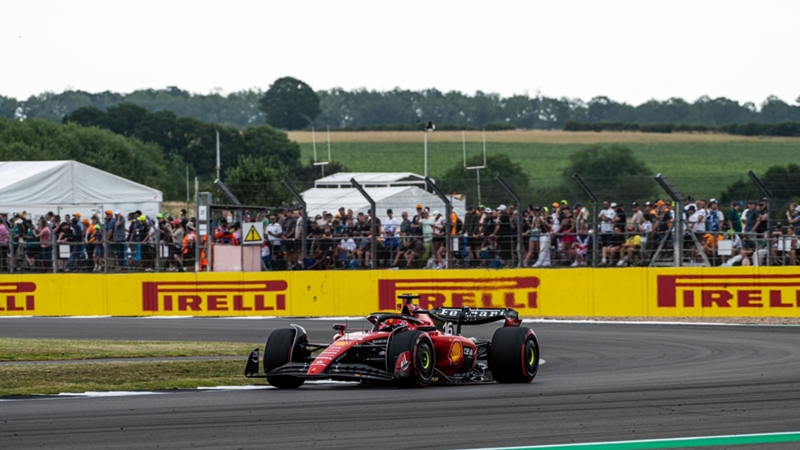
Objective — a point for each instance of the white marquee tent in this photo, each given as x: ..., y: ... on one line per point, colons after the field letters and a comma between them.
x: 68, y: 187
x: 397, y: 191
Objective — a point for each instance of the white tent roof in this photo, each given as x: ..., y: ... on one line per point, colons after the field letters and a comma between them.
x: 372, y: 179
x: 398, y: 199
x: 26, y: 183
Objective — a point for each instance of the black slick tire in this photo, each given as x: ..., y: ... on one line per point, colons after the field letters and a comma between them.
x: 514, y: 355
x: 279, y: 351
x: 421, y: 358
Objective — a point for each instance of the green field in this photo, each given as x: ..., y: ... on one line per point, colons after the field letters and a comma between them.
x: 703, y: 168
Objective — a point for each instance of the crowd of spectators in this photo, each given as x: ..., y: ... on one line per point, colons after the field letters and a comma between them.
x: 558, y: 234
x: 114, y: 242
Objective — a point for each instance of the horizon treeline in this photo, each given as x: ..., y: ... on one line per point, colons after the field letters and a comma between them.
x: 364, y: 109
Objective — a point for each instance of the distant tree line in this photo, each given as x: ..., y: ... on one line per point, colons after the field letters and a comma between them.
x: 360, y: 109
x: 786, y: 128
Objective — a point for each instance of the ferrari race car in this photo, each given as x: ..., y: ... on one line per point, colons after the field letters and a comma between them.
x: 412, y: 349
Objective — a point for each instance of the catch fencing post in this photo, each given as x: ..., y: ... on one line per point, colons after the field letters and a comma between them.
x: 303, y: 218
x: 677, y: 240
x: 595, y: 212
x: 768, y: 196
x: 513, y: 194
x: 448, y: 225
x: 54, y: 254
x: 373, y: 226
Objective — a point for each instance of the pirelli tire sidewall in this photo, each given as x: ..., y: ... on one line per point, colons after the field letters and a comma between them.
x: 422, y: 358
x: 280, y: 349
x: 514, y: 355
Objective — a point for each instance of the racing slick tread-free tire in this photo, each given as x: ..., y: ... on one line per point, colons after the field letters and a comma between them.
x: 514, y: 355
x: 422, y: 361
x: 277, y: 353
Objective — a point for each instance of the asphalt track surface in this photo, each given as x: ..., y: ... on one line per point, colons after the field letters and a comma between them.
x: 600, y: 382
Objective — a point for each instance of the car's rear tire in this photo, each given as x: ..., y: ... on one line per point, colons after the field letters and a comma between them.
x: 421, y: 358
x: 514, y: 355
x: 278, y: 351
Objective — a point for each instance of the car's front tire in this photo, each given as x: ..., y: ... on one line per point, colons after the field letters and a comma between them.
x: 279, y: 350
x: 419, y: 363
x: 514, y: 355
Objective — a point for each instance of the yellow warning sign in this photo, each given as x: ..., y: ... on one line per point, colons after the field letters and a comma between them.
x: 251, y: 234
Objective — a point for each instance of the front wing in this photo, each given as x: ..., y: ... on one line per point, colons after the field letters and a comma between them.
x: 339, y: 372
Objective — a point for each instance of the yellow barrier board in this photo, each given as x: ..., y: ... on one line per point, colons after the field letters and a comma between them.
x: 631, y: 292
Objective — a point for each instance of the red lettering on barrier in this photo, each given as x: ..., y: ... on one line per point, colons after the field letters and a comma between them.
x: 463, y: 299
x: 721, y: 298
x: 510, y: 292
x: 776, y: 301
x: 748, y: 299
x: 217, y: 303
x: 186, y: 302
x: 214, y: 296
x: 716, y: 291
x: 16, y: 302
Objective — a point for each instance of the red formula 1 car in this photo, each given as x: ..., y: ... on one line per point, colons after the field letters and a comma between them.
x: 411, y: 349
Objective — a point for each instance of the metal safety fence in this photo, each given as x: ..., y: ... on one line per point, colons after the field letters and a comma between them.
x: 590, y: 222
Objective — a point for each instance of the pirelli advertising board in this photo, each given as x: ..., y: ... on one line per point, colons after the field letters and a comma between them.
x: 633, y: 292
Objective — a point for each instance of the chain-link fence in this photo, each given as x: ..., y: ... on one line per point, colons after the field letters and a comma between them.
x: 517, y: 222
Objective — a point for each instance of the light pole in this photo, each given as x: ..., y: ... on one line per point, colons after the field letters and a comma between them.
x: 428, y: 127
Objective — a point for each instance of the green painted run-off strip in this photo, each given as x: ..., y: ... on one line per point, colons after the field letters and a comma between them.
x: 709, y: 441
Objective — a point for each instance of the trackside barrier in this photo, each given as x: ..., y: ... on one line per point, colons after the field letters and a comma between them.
x: 632, y: 292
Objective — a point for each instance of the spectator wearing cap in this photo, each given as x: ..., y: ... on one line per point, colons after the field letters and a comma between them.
x: 620, y: 218
x: 751, y: 217
x: 606, y: 218
x: 734, y: 217
x: 504, y: 233
x: 568, y: 234
x: 391, y: 224
x: 223, y: 232
x: 664, y: 217
x: 715, y: 219
x: 637, y: 217
x: 426, y: 223
x: 416, y: 226
x: 274, y: 232
x: 633, y: 242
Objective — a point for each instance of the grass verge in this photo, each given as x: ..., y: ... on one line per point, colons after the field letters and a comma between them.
x: 699, y: 168
x: 55, y: 349
x: 120, y: 376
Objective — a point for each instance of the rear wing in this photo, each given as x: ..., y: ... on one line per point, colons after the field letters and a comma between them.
x: 473, y: 316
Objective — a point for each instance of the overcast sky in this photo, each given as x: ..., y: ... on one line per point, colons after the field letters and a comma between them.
x: 630, y: 51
